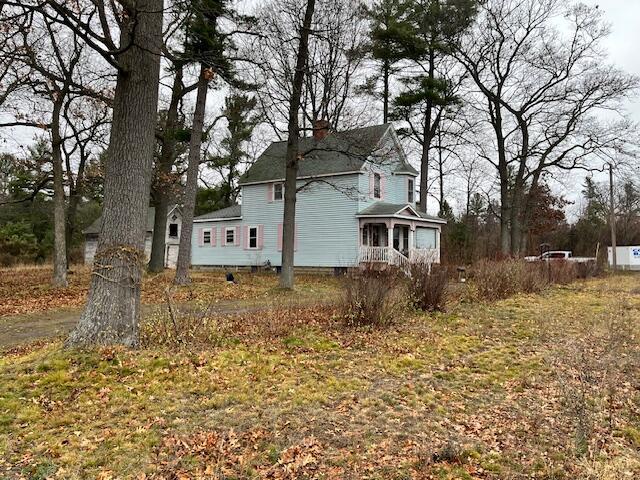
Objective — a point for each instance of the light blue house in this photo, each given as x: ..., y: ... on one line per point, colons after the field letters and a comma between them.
x: 355, y: 204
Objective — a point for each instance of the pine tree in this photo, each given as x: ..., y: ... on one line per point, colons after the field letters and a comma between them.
x: 391, y: 41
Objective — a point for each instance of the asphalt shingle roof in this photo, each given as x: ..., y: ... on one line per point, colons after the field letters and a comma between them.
x: 389, y: 209
x: 229, y: 212
x: 338, y: 152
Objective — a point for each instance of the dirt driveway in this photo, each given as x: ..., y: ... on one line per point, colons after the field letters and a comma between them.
x: 37, y: 326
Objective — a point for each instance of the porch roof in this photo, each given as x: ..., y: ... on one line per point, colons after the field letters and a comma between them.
x: 397, y: 210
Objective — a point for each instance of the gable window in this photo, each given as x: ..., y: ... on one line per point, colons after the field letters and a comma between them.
x: 253, y: 237
x: 173, y: 230
x: 377, y: 188
x: 410, y: 190
x: 278, y: 191
x: 230, y: 236
x: 206, y: 237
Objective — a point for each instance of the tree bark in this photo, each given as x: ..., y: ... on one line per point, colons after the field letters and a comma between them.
x: 59, y: 221
x: 162, y: 195
x: 112, y: 313
x: 191, y: 188
x: 385, y: 92
x: 292, y: 156
x: 429, y: 132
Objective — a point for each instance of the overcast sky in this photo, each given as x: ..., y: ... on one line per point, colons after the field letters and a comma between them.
x: 624, y: 42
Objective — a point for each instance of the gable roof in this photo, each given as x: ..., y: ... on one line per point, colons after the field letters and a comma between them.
x: 233, y: 211
x: 338, y: 152
x: 383, y: 209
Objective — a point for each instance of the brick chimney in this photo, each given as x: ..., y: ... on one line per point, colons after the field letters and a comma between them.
x: 320, y: 129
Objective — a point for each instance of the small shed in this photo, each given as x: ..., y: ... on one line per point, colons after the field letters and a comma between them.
x: 172, y: 237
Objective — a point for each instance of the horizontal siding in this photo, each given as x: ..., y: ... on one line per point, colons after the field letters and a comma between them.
x: 426, y: 237
x: 327, y: 227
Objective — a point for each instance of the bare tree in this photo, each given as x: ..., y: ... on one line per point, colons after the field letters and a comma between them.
x: 542, y: 92
x: 293, y: 156
x: 336, y: 55
x: 128, y: 36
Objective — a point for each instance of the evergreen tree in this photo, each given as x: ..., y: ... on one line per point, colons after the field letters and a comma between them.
x: 391, y: 41
x: 437, y: 25
x: 230, y: 161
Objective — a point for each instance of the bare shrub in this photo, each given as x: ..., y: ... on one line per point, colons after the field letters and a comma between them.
x: 371, y: 297
x: 428, y: 287
x: 496, y: 280
x: 561, y: 272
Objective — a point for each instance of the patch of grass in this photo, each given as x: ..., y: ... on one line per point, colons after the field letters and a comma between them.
x: 313, y: 397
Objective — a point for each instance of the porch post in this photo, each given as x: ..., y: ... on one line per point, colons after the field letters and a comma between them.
x: 390, y: 234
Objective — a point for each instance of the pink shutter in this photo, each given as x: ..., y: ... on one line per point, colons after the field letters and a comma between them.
x: 279, y: 237
x: 214, y: 231
x: 260, y: 236
x: 236, y: 237
x: 270, y: 192
x: 201, y: 237
x: 371, y: 184
x: 245, y: 237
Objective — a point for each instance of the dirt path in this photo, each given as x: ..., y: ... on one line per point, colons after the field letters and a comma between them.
x: 37, y: 326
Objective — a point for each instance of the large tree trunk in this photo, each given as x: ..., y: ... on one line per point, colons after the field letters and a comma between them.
x: 162, y: 194
x: 59, y: 221
x: 191, y: 189
x: 292, y: 156
x: 503, y: 177
x: 113, y: 305
x: 385, y: 92
x: 430, y: 126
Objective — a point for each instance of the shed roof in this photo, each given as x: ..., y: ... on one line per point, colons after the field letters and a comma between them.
x: 94, y: 228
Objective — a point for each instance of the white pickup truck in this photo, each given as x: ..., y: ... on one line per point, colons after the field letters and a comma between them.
x: 559, y: 255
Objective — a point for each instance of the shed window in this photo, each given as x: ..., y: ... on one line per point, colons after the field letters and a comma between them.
x: 230, y: 236
x: 173, y: 230
x: 206, y: 237
x: 377, y: 185
x: 278, y: 191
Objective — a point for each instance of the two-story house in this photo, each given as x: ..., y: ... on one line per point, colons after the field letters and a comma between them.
x: 356, y: 203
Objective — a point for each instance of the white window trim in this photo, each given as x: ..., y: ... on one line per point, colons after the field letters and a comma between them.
x: 274, y: 192
x: 249, y: 227
x: 204, y: 236
x: 226, y: 242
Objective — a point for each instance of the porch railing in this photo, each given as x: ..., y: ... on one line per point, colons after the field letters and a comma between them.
x: 393, y: 257
x: 374, y: 255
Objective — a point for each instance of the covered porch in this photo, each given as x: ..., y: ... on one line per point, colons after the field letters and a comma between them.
x: 400, y: 237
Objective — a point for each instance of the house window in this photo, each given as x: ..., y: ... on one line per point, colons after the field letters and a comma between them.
x: 377, y: 185
x: 278, y: 191
x: 206, y: 237
x: 410, y: 190
x: 230, y: 236
x: 253, y: 237
x: 173, y: 230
